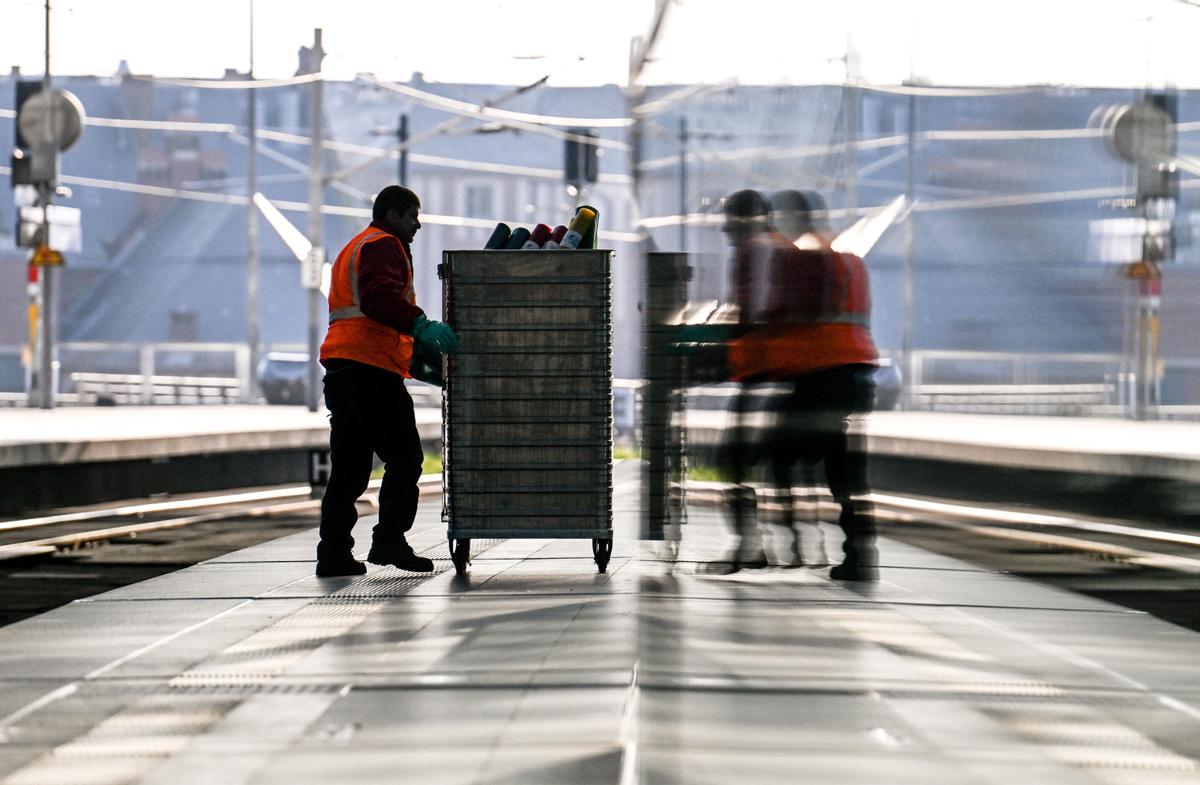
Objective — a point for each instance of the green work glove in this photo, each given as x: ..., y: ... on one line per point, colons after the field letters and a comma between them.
x: 435, y: 335
x: 690, y: 339
x: 426, y: 365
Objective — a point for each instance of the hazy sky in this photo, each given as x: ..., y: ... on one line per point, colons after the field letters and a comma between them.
x: 1106, y: 42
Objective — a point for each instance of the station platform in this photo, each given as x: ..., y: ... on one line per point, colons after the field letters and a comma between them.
x: 85, y: 455
x: 1140, y: 470
x: 70, y: 434
x: 533, y: 668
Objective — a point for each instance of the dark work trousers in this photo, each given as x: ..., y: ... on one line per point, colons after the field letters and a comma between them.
x: 739, y: 453
x: 811, y: 426
x: 371, y: 413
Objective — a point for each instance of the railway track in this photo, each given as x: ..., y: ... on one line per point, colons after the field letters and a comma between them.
x: 77, y: 529
x: 1142, y: 546
x: 1148, y: 545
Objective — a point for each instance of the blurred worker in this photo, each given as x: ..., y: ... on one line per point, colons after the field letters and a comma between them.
x: 813, y: 334
x: 750, y: 236
x: 373, y: 324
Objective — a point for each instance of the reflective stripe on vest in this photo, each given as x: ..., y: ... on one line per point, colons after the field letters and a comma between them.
x: 850, y: 288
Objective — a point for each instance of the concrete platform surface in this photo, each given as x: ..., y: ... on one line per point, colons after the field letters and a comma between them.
x: 534, y: 668
x: 1130, y: 448
x: 41, y: 437
x: 1168, y: 450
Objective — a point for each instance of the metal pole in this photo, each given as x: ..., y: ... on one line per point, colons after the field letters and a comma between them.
x: 48, y: 273
x: 1147, y: 363
x: 402, y: 135
x: 906, y: 309
x: 683, y: 184
x: 250, y: 391
x: 851, y: 182
x: 316, y: 196
x: 850, y: 102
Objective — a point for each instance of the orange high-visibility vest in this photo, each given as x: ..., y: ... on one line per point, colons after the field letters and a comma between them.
x: 839, y: 335
x: 352, y: 334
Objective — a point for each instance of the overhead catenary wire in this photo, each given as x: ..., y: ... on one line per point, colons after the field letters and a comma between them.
x: 773, y: 153
x: 648, y: 222
x: 231, y: 182
x: 186, y: 126
x: 941, y: 205
x: 297, y: 166
x: 443, y: 127
x: 178, y: 126
x: 805, y: 151
x: 490, y: 113
x: 545, y: 130
x: 663, y: 103
x: 233, y: 84
x: 348, y: 147
x: 935, y: 91
x: 293, y: 206
x: 435, y: 160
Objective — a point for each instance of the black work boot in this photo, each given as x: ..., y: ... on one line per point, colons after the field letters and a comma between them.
x: 340, y: 567
x: 400, y: 555
x: 859, y: 564
x: 853, y: 571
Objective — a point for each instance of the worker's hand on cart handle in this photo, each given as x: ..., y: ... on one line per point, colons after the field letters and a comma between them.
x: 434, y: 334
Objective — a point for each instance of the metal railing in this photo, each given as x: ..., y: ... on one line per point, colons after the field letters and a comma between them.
x: 1053, y: 383
x: 162, y: 371
x: 132, y: 388
x: 1070, y: 384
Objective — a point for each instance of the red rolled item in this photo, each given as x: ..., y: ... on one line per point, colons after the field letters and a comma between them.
x: 555, y: 238
x: 539, y: 235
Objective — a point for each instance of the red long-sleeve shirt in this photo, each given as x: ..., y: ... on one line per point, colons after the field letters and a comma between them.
x: 773, y: 281
x: 384, y: 271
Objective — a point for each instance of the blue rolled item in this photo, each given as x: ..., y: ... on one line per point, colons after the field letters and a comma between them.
x: 517, y: 239
x: 499, y: 237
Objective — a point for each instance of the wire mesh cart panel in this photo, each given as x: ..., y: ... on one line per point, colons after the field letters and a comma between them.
x: 664, y: 295
x: 527, y: 448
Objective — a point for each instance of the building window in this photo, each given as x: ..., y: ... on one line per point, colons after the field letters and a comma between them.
x: 479, y: 201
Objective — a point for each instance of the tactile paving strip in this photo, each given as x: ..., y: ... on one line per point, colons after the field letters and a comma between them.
x: 272, y: 650
x: 1084, y: 738
x: 123, y: 747
x: 389, y: 583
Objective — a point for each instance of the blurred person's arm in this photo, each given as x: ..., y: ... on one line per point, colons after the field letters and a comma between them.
x: 800, y: 285
x: 742, y: 278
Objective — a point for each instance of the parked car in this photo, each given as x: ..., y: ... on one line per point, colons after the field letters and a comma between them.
x: 282, y: 377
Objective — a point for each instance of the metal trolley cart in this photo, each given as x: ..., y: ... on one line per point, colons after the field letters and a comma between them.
x: 663, y: 442
x: 527, y: 450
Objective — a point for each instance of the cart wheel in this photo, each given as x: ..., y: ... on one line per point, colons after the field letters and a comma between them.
x: 460, y: 554
x: 601, y: 552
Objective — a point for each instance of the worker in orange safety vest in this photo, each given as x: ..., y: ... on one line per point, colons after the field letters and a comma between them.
x: 753, y: 245
x: 812, y: 334
x: 374, y: 325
